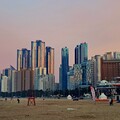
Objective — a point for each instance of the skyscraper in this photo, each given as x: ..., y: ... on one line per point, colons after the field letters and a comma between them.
x: 74, y: 77
x: 116, y: 55
x: 0, y: 80
x: 37, y: 54
x: 50, y: 60
x: 38, y: 61
x: 33, y: 54
x: 81, y: 53
x: 23, y: 59
x: 8, y: 72
x: 110, y: 69
x: 60, y: 77
x: 64, y: 67
x: 4, y: 84
x: 81, y: 57
x: 108, y: 56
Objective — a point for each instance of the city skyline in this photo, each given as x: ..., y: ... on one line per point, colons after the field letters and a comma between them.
x: 58, y: 24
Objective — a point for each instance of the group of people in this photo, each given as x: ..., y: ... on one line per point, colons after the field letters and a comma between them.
x: 110, y: 101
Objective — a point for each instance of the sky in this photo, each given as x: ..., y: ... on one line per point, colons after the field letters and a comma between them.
x: 58, y: 23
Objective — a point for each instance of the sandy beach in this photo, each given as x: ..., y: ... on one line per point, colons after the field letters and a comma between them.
x: 58, y: 109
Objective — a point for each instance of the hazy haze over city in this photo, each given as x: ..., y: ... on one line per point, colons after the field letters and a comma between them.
x: 58, y: 23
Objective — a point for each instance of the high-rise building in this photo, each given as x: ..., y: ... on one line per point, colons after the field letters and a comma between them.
x: 81, y: 57
x: 77, y: 74
x: 13, y: 80
x: 0, y: 80
x: 95, y: 69
x: 110, y: 70
x: 5, y: 72
x: 60, y: 77
x: 81, y: 53
x: 116, y: 55
x: 38, y: 73
x: 18, y: 81
x: 98, y: 67
x: 23, y: 79
x: 46, y: 82
x: 27, y: 78
x: 33, y: 55
x: 37, y: 54
x: 43, y: 83
x: 64, y: 67
x: 37, y: 58
x: 4, y: 84
x: 50, y: 60
x: 56, y: 86
x: 70, y: 80
x: 9, y: 73
x: 23, y: 59
x: 74, y: 77
x: 108, y: 56
x: 19, y: 59
x: 51, y: 81
x: 86, y: 73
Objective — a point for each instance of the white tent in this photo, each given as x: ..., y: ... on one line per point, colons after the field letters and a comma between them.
x: 102, y: 96
x: 69, y: 97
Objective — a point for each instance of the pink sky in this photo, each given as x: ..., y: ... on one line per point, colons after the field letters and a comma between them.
x: 58, y: 23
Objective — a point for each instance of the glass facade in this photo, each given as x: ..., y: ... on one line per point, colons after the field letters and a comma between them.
x: 81, y: 57
x: 65, y: 66
x: 37, y: 54
x: 50, y: 60
x: 23, y: 59
x: 81, y: 53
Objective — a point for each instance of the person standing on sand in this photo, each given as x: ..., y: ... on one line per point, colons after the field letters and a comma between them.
x: 5, y: 99
x: 111, y: 101
x: 18, y: 100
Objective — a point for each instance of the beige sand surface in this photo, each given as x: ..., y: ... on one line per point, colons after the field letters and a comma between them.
x: 58, y: 109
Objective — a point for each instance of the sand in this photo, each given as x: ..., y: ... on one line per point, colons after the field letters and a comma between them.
x: 58, y: 109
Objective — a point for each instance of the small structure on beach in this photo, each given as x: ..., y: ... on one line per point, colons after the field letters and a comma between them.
x: 102, y: 96
x: 69, y: 97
